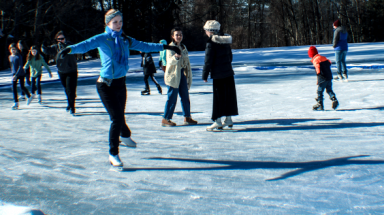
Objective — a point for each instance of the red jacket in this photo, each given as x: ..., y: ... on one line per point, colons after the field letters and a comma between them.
x: 323, y: 68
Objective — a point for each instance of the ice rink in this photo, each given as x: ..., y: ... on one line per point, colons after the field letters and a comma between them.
x: 281, y: 157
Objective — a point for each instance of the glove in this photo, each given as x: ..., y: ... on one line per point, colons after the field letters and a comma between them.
x: 173, y: 48
x: 64, y: 53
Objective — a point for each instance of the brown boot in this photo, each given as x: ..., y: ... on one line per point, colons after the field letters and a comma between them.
x: 167, y: 123
x: 189, y: 121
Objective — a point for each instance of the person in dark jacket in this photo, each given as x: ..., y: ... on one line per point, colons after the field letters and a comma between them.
x: 218, y: 63
x: 149, y: 69
x: 18, y: 74
x: 324, y: 78
x: 340, y: 45
x: 24, y: 52
x: 67, y: 68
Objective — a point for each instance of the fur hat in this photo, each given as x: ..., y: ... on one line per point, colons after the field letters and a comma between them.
x: 111, y: 16
x: 312, y: 51
x: 337, y: 23
x: 212, y: 25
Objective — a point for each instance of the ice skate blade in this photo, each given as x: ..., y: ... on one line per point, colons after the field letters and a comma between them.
x: 116, y: 168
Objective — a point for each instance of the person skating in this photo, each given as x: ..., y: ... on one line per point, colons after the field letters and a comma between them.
x: 113, y: 47
x: 35, y: 62
x: 23, y: 50
x: 66, y: 69
x: 163, y: 57
x: 340, y: 45
x: 149, y: 70
x: 178, y: 78
x: 218, y: 63
x: 18, y: 74
x: 324, y: 78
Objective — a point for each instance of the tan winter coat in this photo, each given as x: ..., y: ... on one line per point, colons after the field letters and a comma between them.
x: 172, y: 74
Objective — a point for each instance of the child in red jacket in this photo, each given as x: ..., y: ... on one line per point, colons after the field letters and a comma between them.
x: 324, y: 78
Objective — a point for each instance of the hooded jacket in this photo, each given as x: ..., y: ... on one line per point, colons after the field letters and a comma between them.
x: 323, y: 68
x: 218, y: 57
x: 172, y: 74
x: 66, y: 65
x: 340, y: 39
x: 105, y: 44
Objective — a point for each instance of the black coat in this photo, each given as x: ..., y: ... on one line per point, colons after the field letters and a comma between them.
x: 66, y: 65
x: 147, y: 64
x: 218, y: 57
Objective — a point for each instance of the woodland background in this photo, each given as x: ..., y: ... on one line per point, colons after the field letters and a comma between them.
x: 252, y: 23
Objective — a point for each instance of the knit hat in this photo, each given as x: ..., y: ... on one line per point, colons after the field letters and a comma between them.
x: 212, y: 25
x: 337, y: 23
x: 111, y: 16
x: 312, y: 51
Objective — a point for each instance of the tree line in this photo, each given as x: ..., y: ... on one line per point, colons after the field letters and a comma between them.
x: 252, y: 23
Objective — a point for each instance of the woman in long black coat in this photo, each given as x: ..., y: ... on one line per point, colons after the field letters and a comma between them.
x: 218, y: 63
x: 149, y: 70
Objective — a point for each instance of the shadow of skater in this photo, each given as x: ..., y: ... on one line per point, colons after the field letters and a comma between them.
x: 301, y: 167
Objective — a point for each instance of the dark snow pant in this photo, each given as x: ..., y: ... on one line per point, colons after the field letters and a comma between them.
x: 146, y: 81
x: 170, y: 105
x: 23, y: 88
x: 326, y: 85
x: 36, y: 81
x: 224, y: 98
x: 69, y: 82
x: 114, y: 98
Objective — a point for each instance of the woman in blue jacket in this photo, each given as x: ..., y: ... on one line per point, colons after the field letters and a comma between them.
x: 113, y: 47
x: 340, y: 45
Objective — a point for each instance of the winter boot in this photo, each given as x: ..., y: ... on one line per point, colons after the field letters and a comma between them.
x: 319, y: 105
x: 167, y: 123
x: 15, y: 106
x: 345, y: 76
x: 189, y: 121
x: 127, y: 141
x: 217, y: 124
x: 39, y: 98
x: 159, y: 89
x: 335, y: 103
x: 29, y: 100
x: 228, y: 122
x: 146, y: 92
x: 114, y: 160
x: 72, y: 111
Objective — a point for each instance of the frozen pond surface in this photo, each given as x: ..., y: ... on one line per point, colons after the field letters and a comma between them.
x: 282, y: 157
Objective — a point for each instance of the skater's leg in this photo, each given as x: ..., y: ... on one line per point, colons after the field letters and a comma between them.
x: 71, y: 89
x: 329, y: 90
x: 184, y: 96
x: 14, y: 91
x: 146, y: 82
x: 33, y: 85
x: 171, y: 103
x: 343, y: 63
x: 38, y: 82
x: 28, y: 76
x: 23, y: 88
x: 154, y: 79
x: 63, y: 80
x: 319, y: 99
x: 112, y: 104
x: 122, y: 98
x: 338, y: 62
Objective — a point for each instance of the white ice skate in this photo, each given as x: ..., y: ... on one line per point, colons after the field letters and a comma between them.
x: 216, y: 125
x: 15, y: 106
x: 115, y: 161
x: 228, y: 122
x: 29, y: 100
x: 127, y: 141
x: 39, y: 98
x: 22, y: 98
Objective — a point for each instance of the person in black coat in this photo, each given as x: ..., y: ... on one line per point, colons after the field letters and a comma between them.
x: 67, y: 68
x: 218, y: 63
x: 149, y: 69
x: 23, y: 49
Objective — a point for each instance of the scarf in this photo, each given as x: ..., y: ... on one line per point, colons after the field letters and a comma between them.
x: 119, y: 54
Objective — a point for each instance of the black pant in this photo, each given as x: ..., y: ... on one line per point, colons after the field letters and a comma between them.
x: 36, y: 81
x: 114, y: 99
x: 146, y: 80
x: 69, y: 82
x: 27, y: 79
x: 23, y: 88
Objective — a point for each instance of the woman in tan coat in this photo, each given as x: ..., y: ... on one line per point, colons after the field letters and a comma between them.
x: 178, y: 78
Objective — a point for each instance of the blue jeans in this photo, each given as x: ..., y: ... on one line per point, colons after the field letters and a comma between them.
x: 322, y: 86
x: 170, y: 105
x: 340, y: 62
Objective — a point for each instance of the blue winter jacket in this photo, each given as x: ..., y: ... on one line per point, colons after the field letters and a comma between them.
x: 163, y: 54
x: 340, y: 39
x: 104, y: 42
